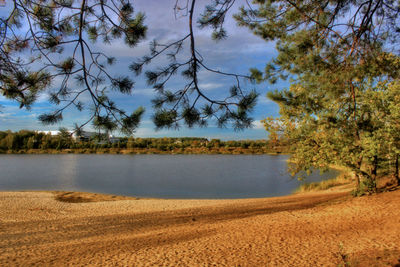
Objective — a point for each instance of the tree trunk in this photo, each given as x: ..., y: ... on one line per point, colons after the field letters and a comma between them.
x: 396, y: 174
x: 358, y: 173
x: 357, y: 178
x: 374, y: 172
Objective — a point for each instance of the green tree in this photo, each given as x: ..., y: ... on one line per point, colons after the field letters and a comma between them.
x: 31, y: 143
x: 10, y: 141
x: 46, y: 142
x: 335, y: 53
x: 64, y: 138
x: 386, y: 138
x: 131, y: 143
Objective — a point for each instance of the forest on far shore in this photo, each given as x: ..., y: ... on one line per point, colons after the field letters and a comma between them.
x: 26, y: 141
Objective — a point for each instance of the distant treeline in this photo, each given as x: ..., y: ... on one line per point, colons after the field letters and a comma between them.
x: 25, y: 141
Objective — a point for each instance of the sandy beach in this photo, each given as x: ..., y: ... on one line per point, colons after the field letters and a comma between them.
x: 329, y: 228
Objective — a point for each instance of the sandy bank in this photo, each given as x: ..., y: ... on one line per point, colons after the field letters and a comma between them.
x: 314, y: 229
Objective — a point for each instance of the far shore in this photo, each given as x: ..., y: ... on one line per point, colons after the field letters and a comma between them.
x: 325, y: 228
x: 200, y: 151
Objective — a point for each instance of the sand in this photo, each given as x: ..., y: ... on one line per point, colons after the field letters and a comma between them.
x: 329, y: 228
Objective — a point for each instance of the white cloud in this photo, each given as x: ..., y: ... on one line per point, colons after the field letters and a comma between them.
x: 33, y: 115
x: 6, y: 115
x: 144, y: 91
x: 42, y: 97
x: 210, y: 86
x: 258, y: 125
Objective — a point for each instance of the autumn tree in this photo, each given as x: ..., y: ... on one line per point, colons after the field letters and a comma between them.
x: 335, y: 53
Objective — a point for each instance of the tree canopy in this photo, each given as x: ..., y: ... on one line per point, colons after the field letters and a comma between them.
x: 342, y: 60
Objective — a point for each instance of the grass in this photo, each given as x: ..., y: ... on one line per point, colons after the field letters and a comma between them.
x: 343, y: 256
x: 341, y: 179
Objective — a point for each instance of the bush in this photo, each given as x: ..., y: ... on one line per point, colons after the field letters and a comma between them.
x: 367, y: 186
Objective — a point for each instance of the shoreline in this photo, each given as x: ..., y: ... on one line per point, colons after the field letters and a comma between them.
x: 80, y: 199
x: 87, y: 197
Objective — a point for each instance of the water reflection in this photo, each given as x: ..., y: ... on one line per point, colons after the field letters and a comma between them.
x: 68, y: 172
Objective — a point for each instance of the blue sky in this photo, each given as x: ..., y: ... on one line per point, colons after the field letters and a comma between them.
x: 238, y: 53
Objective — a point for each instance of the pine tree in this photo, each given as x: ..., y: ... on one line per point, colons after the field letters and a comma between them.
x: 58, y: 36
x: 335, y: 53
x: 190, y: 103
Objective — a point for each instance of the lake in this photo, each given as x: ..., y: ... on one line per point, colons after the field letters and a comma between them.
x: 160, y: 176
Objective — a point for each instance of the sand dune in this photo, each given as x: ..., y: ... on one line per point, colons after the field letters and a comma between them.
x: 313, y: 229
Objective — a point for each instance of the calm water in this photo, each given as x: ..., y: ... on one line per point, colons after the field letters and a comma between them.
x: 165, y: 176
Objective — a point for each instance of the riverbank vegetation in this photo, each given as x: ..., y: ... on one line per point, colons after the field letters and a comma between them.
x: 342, y: 179
x: 32, y: 142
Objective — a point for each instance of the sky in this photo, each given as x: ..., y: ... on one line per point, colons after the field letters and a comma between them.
x: 236, y: 54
